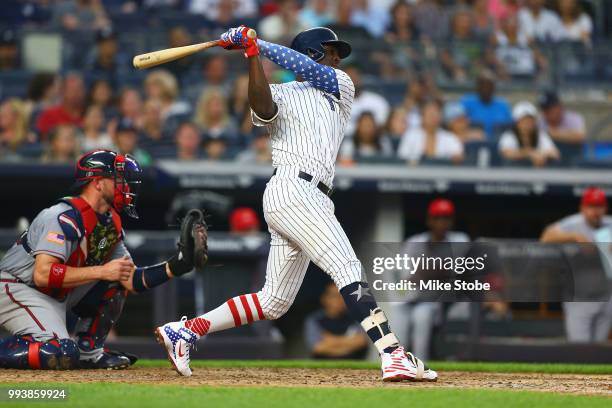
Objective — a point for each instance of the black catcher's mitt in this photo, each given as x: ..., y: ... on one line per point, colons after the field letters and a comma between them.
x: 192, y: 245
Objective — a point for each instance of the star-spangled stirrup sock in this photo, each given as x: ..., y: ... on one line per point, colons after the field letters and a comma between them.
x: 363, y: 308
x: 239, y: 310
x: 320, y: 76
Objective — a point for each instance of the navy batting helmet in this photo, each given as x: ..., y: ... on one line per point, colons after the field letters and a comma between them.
x: 123, y: 169
x: 311, y: 42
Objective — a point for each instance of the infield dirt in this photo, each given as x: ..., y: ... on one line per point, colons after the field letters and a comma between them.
x: 321, y: 377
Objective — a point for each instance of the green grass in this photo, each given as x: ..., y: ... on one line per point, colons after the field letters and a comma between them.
x: 439, y: 366
x: 164, y: 396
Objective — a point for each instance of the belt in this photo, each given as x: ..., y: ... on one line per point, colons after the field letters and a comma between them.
x: 320, y: 185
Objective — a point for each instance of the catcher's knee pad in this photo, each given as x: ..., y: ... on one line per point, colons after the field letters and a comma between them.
x: 99, y: 310
x: 24, y: 352
x: 273, y: 306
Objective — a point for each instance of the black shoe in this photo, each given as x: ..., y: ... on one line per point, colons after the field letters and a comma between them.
x: 133, y: 357
x: 107, y: 361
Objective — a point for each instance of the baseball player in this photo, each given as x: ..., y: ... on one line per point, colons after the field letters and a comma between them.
x: 73, y: 258
x: 306, y: 120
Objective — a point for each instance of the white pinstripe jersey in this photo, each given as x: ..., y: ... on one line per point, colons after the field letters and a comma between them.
x: 309, y: 126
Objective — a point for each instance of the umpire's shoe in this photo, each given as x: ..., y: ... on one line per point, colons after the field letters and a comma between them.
x: 106, y: 361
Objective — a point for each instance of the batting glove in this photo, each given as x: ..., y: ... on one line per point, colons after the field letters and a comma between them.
x: 237, y: 38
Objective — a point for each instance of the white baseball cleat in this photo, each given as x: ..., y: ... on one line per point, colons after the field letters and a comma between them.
x: 401, y: 365
x: 177, y: 340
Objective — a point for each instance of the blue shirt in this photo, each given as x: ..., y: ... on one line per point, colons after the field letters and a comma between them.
x: 489, y: 116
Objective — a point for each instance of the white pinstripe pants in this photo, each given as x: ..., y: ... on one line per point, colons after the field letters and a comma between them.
x: 304, y: 228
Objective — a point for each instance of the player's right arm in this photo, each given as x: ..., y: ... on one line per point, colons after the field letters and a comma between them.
x: 51, y: 272
x: 260, y: 96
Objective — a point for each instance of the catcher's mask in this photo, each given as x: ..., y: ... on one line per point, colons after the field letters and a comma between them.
x: 123, y: 169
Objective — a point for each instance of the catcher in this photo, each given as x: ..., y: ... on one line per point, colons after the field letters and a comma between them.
x: 73, y: 257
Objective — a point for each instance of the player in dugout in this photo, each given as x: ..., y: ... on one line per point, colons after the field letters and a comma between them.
x: 73, y: 258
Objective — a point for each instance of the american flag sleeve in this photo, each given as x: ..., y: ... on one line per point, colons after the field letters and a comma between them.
x: 320, y: 76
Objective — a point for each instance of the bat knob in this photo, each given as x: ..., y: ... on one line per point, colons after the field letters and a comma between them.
x: 251, y: 33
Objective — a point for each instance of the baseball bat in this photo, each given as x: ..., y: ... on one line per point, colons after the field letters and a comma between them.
x: 152, y: 59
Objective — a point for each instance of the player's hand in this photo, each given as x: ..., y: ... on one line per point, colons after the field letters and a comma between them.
x: 120, y: 269
x: 238, y: 38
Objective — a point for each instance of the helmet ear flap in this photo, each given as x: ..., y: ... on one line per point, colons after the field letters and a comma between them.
x: 314, y: 54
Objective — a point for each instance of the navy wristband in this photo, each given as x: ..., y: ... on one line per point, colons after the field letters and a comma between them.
x: 148, y: 277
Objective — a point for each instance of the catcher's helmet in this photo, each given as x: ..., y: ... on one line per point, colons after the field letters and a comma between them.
x: 123, y: 169
x: 311, y: 42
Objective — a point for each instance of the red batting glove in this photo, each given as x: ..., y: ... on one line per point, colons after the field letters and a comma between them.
x: 236, y: 38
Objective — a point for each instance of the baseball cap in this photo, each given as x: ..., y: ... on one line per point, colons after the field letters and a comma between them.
x: 441, y: 207
x: 243, y: 219
x: 594, y: 196
x: 106, y: 33
x: 453, y: 110
x: 523, y: 109
x: 126, y: 124
x: 548, y: 99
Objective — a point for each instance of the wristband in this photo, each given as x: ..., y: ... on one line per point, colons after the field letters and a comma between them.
x: 57, y: 273
x: 148, y: 277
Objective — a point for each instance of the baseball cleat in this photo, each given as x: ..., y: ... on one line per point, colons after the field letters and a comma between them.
x: 177, y: 340
x: 106, y: 361
x: 401, y: 365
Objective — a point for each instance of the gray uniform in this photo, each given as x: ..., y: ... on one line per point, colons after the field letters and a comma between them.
x: 586, y: 321
x: 23, y: 308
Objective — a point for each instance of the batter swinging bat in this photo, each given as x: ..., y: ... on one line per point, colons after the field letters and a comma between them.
x: 152, y: 59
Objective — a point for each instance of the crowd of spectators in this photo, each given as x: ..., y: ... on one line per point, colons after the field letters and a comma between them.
x: 197, y: 108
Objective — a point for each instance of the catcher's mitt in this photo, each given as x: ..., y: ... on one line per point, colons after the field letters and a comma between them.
x: 192, y: 245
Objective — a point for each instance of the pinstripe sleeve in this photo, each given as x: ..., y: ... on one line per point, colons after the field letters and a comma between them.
x: 346, y: 89
x: 276, y: 97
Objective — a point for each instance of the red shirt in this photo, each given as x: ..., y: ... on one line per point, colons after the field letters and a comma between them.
x: 54, y: 116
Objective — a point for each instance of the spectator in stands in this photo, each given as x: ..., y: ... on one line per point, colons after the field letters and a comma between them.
x: 180, y: 37
x: 486, y: 110
x: 162, y: 85
x: 343, y: 25
x: 526, y: 141
x: 563, y: 125
x: 484, y: 23
x: 260, y: 150
x: 69, y: 111
x: 152, y: 123
x: 420, y: 89
x: 577, y: 25
x: 130, y: 106
x: 101, y: 95
x: 213, y: 9
x: 215, y: 148
x: 239, y: 105
x: 368, y: 142
x: 457, y: 122
x: 365, y: 100
x: 585, y: 321
x: 463, y: 50
x: 188, y: 142
x: 315, y: 14
x: 80, y: 15
x: 106, y: 61
x: 62, y: 146
x: 244, y: 221
x: 395, y: 127
x: 43, y: 92
x: 538, y: 23
x: 14, y: 121
x: 515, y: 56
x: 403, y: 28
x: 501, y: 9
x: 282, y: 26
x: 404, y: 41
x: 213, y: 118
x: 95, y: 136
x: 126, y: 142
x: 370, y: 16
x: 432, y: 19
x: 417, y: 318
x: 430, y: 141
x: 9, y: 51
x: 215, y: 72
x: 330, y: 333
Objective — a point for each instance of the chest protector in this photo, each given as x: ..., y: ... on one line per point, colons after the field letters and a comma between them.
x: 96, y: 241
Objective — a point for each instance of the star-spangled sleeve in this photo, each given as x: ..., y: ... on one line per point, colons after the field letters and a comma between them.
x: 320, y: 76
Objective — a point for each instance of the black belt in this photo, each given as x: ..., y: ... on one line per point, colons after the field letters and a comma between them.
x: 320, y: 185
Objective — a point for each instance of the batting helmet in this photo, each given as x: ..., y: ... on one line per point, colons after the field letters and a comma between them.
x: 123, y: 169
x: 311, y: 42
